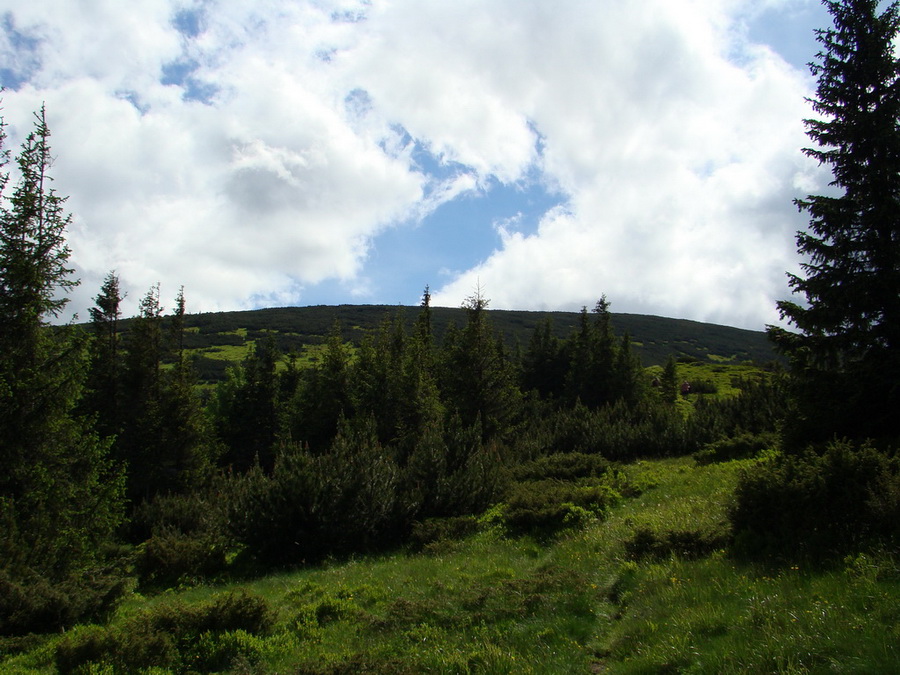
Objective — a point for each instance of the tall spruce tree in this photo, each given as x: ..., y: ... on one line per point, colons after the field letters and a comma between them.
x: 846, y: 358
x: 478, y: 380
x: 104, y: 375
x: 58, y: 495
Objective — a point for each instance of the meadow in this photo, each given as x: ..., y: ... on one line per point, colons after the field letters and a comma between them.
x: 648, y: 586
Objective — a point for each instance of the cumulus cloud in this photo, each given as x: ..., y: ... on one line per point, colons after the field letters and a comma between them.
x: 251, y: 151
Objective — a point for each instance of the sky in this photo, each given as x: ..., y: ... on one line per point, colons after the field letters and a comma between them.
x: 306, y: 152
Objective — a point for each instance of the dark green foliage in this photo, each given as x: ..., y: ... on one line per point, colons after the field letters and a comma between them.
x: 762, y: 407
x: 562, y: 466
x: 648, y: 543
x: 345, y: 500
x: 432, y: 532
x: 668, y: 383
x: 601, y: 370
x: 742, y: 446
x: 59, y: 495
x: 814, y: 503
x: 40, y: 603
x: 163, y: 440
x: 103, y: 388
x: 183, y: 537
x: 245, y: 409
x: 451, y: 471
x: 545, y: 364
x: 184, y: 638
x: 617, y: 432
x: 394, y: 381
x: 846, y: 359
x: 703, y: 387
x: 477, y: 379
x: 544, y: 508
x: 322, y: 398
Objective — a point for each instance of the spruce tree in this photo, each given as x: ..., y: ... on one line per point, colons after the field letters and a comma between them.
x: 846, y: 357
x: 104, y: 376
x: 58, y: 495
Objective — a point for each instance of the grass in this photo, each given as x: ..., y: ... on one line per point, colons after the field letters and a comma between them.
x: 651, y: 589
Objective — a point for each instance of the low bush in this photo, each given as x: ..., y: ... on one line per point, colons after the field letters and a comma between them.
x: 562, y: 466
x: 648, y: 543
x: 817, y: 503
x: 545, y: 508
x: 199, y: 638
x: 433, y: 531
x: 183, y: 539
x: 171, y: 557
x: 30, y: 603
x: 743, y: 446
x: 617, y: 432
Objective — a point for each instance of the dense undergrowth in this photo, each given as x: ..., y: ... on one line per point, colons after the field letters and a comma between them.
x: 642, y: 583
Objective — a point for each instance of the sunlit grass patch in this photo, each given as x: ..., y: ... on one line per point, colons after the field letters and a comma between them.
x: 714, y: 615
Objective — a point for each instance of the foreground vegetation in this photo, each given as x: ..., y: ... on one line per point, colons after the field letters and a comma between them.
x: 649, y: 587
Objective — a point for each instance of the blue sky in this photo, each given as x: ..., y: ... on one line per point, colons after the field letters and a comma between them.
x: 355, y: 151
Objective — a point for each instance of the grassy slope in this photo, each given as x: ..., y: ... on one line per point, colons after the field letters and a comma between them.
x: 649, y: 590
x: 224, y: 337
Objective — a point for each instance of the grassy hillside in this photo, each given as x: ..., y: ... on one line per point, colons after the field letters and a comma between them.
x: 645, y: 587
x: 217, y: 339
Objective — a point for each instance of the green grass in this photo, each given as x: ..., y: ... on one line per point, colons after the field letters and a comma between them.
x: 651, y: 589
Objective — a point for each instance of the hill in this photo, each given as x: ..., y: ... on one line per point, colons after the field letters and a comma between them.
x: 222, y: 337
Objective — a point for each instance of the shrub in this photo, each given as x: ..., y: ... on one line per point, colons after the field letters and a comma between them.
x: 427, y: 533
x: 817, y: 503
x: 30, y: 603
x: 128, y: 649
x: 704, y: 387
x: 743, y: 446
x: 648, y: 543
x: 175, y: 635
x: 562, y: 466
x: 451, y: 471
x: 183, y: 538
x: 171, y: 557
x: 341, y: 502
x: 544, y: 508
x: 617, y: 432
x: 759, y: 408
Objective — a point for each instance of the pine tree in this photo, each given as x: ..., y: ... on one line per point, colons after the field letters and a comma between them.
x: 668, y: 383
x: 104, y: 377
x: 846, y: 358
x: 246, y: 408
x: 544, y: 363
x: 58, y: 495
x: 478, y: 380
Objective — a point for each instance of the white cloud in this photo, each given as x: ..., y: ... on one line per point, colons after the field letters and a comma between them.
x: 252, y: 150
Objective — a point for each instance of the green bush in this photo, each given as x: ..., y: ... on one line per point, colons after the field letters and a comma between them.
x: 30, y: 603
x: 427, y: 533
x: 760, y: 408
x: 175, y: 635
x: 562, y: 466
x: 619, y: 432
x: 817, y: 503
x: 171, y: 557
x: 743, y: 446
x: 311, y: 506
x: 217, y: 651
x: 183, y: 537
x: 545, y: 508
x: 648, y: 543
